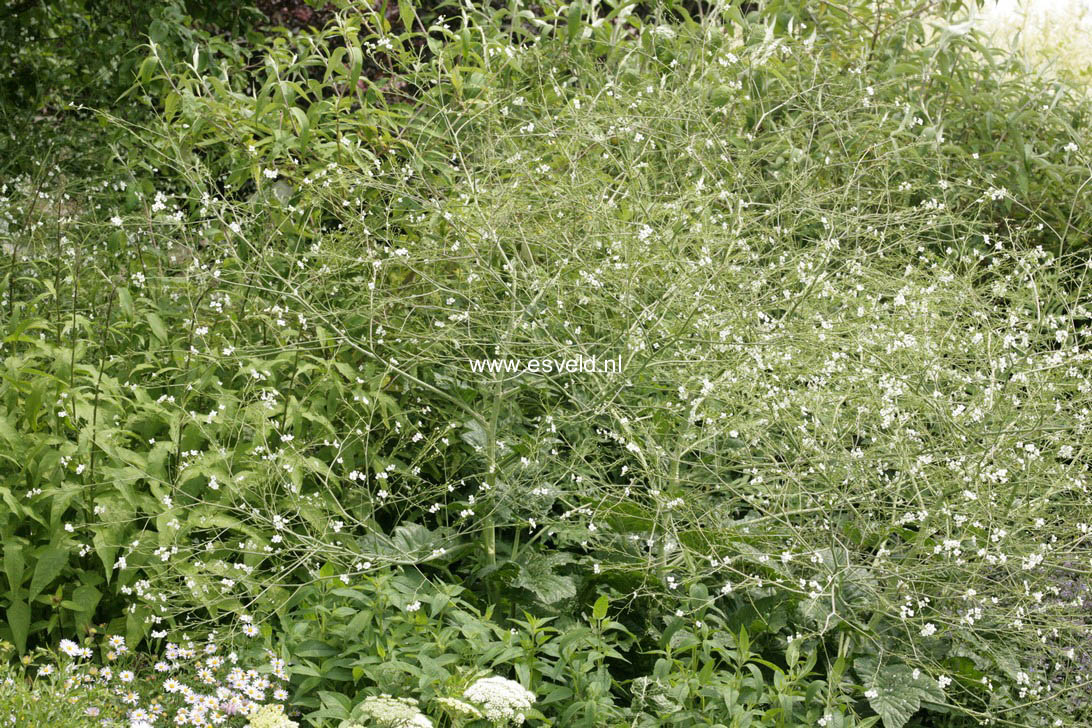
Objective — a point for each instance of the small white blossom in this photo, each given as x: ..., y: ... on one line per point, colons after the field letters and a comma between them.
x: 502, y: 701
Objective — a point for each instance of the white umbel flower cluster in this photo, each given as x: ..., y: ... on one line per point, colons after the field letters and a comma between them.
x: 269, y: 716
x: 459, y: 709
x: 392, y: 712
x: 503, y: 701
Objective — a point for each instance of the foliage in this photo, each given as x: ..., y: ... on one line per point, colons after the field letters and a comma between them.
x: 396, y: 634
x: 102, y: 683
x: 52, y: 699
x: 1052, y: 36
x: 257, y: 371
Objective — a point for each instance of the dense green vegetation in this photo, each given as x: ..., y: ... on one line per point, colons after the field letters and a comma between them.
x: 262, y: 461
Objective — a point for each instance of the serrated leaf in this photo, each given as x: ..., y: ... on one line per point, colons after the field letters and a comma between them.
x: 898, y: 694
x: 894, y: 707
x: 413, y: 539
x: 474, y: 434
x: 539, y: 577
x: 548, y: 587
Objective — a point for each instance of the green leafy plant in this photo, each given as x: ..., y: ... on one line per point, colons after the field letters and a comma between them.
x: 267, y: 365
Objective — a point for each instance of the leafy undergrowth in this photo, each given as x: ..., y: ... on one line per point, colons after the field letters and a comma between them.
x: 268, y: 383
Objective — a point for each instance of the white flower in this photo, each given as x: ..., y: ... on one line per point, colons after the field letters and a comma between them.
x: 872, y: 693
x: 929, y: 629
x: 70, y: 648
x: 501, y: 700
x: 393, y: 712
x: 460, y: 709
x: 269, y: 716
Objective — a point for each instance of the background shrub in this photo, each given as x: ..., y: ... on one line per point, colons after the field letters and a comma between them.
x: 838, y: 476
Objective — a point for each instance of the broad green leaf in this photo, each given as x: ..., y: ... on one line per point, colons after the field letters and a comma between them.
x: 538, y: 576
x: 13, y: 565
x: 136, y: 625
x: 125, y: 300
x: 898, y: 693
x: 49, y: 566
x: 599, y: 611
x: 19, y: 621
x: 157, y: 326
x: 894, y: 707
x: 86, y: 598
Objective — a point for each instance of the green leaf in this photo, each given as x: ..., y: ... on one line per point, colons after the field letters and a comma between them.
x: 315, y: 648
x: 158, y: 328
x: 474, y: 434
x: 538, y: 576
x: 136, y: 625
x: 125, y: 300
x: 336, y: 705
x: 414, y: 540
x: 557, y: 694
x: 898, y: 694
x: 405, y: 12
x: 305, y: 124
x: 574, y: 20
x: 85, y: 598
x: 107, y: 550
x: 47, y: 569
x: 599, y: 611
x: 19, y: 621
x: 356, y: 66
x: 894, y: 707
x: 13, y: 565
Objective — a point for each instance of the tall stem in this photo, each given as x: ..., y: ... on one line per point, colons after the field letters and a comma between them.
x: 490, y: 536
